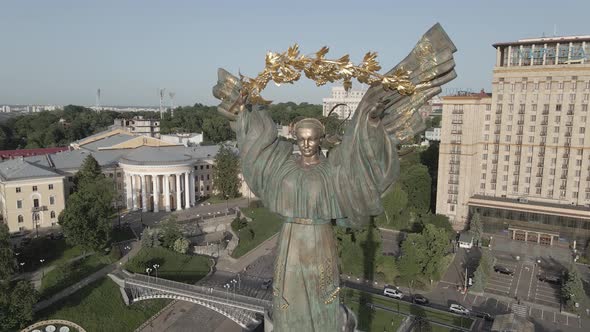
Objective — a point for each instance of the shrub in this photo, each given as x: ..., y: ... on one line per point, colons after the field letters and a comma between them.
x: 181, y: 245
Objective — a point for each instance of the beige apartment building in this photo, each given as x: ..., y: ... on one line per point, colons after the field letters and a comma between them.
x: 523, y: 156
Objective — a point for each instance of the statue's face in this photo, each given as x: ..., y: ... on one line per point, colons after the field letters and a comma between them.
x: 308, y: 140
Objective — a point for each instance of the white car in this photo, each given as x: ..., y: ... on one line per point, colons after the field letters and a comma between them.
x: 458, y: 309
x: 392, y: 292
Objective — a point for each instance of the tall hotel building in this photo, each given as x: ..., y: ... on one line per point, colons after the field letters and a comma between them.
x: 521, y: 157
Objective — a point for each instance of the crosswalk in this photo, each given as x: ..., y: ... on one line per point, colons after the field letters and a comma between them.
x: 520, y: 310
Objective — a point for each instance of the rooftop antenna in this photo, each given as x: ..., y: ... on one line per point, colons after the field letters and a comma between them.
x: 554, y: 30
x: 98, y: 99
x: 162, y: 91
x: 171, y: 94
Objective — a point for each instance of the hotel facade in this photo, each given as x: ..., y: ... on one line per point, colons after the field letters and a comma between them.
x: 521, y: 157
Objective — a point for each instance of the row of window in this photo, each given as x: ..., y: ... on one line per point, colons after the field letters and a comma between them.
x: 523, y: 86
x: 36, y: 217
x: 35, y: 188
x: 550, y: 193
x: 19, y: 203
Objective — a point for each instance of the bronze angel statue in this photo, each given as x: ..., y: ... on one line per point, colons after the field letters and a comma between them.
x: 312, y: 192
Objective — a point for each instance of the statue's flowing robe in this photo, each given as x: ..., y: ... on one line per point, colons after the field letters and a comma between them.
x: 346, y: 187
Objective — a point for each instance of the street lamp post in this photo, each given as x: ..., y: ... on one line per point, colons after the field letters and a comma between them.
x: 148, y: 271
x: 42, y: 270
x: 156, y: 266
x: 128, y: 248
x: 234, y: 282
x: 226, y: 286
x: 22, y: 267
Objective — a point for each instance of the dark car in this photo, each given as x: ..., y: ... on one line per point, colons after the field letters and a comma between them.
x: 483, y: 315
x: 552, y: 279
x: 503, y: 270
x: 266, y: 284
x: 420, y: 299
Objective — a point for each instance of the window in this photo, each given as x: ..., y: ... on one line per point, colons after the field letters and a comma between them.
x: 207, y: 167
x: 201, y: 166
x: 582, y: 130
x: 207, y: 188
x: 207, y: 176
x: 18, y: 189
x: 533, y: 118
x: 558, y: 107
x: 52, y: 214
x: 20, y: 219
x: 34, y: 188
x: 536, y: 86
x: 50, y: 187
x: 19, y: 204
x: 587, y: 85
x: 111, y: 175
x: 51, y: 200
x: 451, y: 208
x: 118, y: 175
x: 202, y: 177
x: 560, y: 85
x: 572, y: 97
x: 584, y: 108
x: 36, y: 202
x: 70, y: 179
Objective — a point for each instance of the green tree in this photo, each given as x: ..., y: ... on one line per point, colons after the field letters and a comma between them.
x: 476, y: 227
x: 16, y: 305
x: 90, y: 171
x: 181, y: 245
x: 422, y: 254
x: 7, y: 262
x: 572, y: 291
x: 483, y: 271
x: 86, y: 219
x: 225, y: 174
x: 150, y: 238
x: 170, y: 232
x: 416, y: 182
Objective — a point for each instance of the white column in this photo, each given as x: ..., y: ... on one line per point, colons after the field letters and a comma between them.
x: 166, y: 184
x: 134, y: 192
x: 192, y: 187
x: 129, y: 191
x: 156, y: 195
x: 144, y: 193
x: 187, y: 195
x: 178, y: 195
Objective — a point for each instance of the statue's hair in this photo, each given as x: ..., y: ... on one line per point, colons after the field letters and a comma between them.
x: 310, y: 123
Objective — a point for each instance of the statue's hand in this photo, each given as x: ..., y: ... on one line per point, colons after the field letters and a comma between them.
x: 229, y: 90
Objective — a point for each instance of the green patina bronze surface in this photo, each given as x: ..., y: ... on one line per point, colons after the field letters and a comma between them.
x: 346, y: 186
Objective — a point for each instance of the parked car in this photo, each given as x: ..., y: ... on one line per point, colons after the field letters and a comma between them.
x: 483, y: 315
x: 458, y: 309
x: 552, y: 279
x: 420, y: 299
x: 392, y: 292
x: 503, y: 270
x: 266, y: 284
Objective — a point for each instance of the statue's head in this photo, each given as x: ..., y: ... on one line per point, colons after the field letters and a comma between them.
x: 309, y: 133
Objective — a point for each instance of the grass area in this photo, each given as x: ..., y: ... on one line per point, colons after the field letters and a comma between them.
x: 264, y: 224
x: 99, y: 307
x: 122, y: 233
x: 381, y: 320
x: 217, y: 200
x: 52, y: 251
x: 66, y: 274
x: 173, y: 266
x: 408, y: 308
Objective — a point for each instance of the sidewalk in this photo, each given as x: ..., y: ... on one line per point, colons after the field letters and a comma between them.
x: 135, y: 247
x: 234, y: 265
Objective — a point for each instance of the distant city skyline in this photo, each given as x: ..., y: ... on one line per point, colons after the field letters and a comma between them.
x: 61, y: 52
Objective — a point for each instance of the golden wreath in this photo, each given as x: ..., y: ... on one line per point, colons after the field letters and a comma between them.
x: 286, y: 67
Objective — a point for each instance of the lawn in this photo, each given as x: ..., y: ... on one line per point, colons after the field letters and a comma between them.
x: 264, y: 224
x: 66, y: 274
x: 173, y: 266
x: 217, y: 200
x: 52, y: 251
x: 416, y: 310
x: 380, y: 320
x: 99, y: 307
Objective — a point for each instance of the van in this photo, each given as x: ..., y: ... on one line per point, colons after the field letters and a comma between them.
x: 392, y: 292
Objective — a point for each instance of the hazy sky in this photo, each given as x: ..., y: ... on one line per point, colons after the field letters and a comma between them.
x: 60, y: 52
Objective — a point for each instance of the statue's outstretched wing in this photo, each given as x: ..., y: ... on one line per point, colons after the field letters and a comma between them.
x: 431, y: 65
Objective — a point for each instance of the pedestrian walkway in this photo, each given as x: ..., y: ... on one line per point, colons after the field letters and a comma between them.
x: 135, y: 247
x: 36, y: 277
x: 237, y: 265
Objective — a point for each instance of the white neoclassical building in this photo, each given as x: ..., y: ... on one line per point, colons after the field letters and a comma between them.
x: 149, y: 174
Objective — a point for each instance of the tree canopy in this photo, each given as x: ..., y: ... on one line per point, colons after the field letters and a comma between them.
x: 226, y: 181
x: 422, y: 253
x: 16, y: 298
x: 86, y: 220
